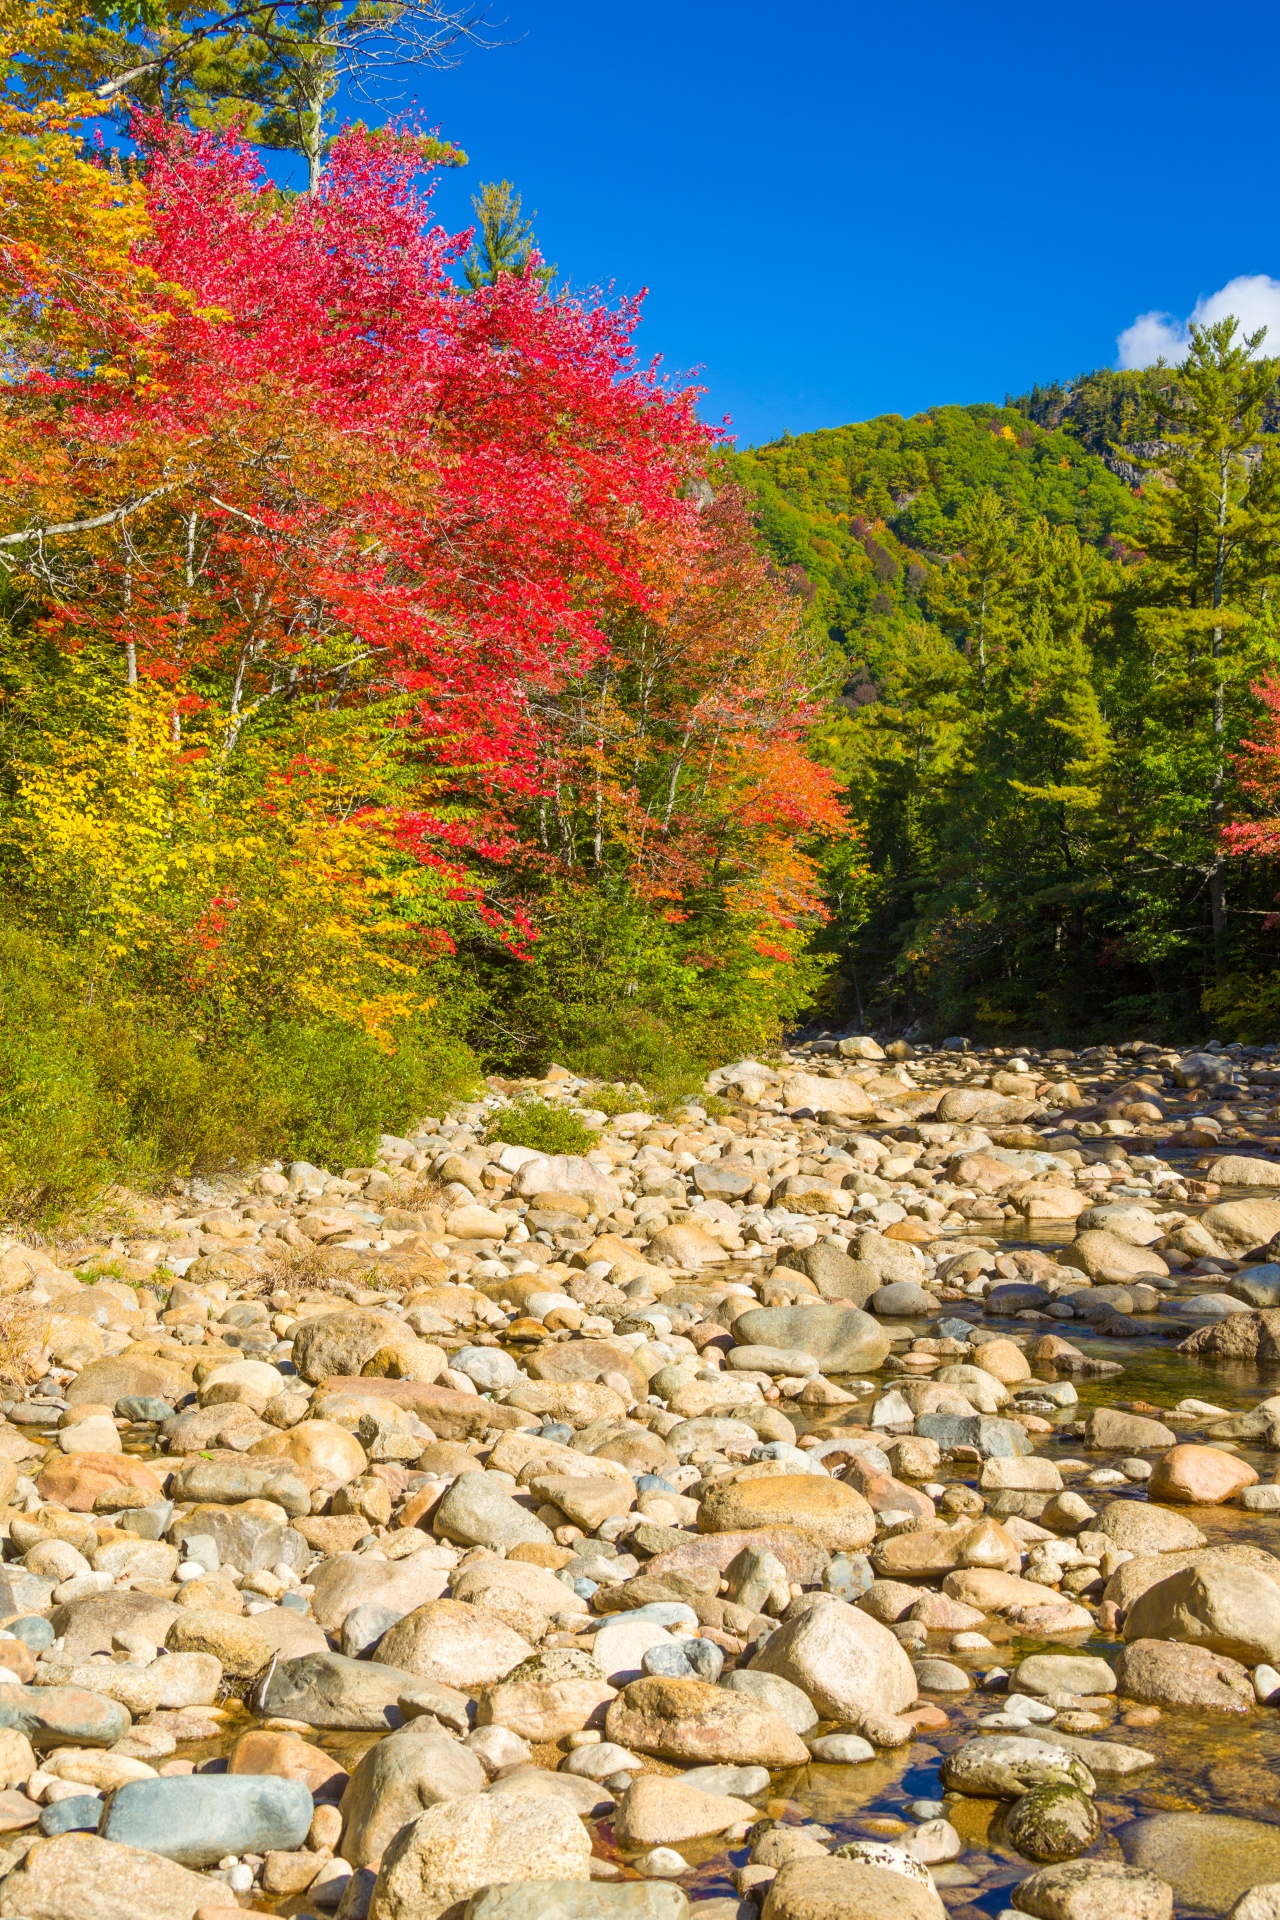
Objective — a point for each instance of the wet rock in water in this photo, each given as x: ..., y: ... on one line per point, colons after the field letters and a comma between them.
x: 289, y: 1758
x: 1094, y: 1890
x: 835, y: 1889
x: 1137, y: 1526
x: 841, y: 1750
x: 78, y: 1876
x: 455, y: 1849
x: 1008, y: 1766
x: 657, y: 1811
x: 1161, y: 1673
x: 1109, y: 1430
x: 397, y: 1780
x: 942, y: 1676
x: 1208, y: 1859
x: 1230, y: 1610
x: 846, y: 1664
x: 589, y: 1900
x: 1200, y: 1476
x: 1043, y: 1673
x: 1259, y: 1286
x: 198, y: 1818
x: 689, y: 1720
x: 1053, y: 1823
x: 1241, y: 1336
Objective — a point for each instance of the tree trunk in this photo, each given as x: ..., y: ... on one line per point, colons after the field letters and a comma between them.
x: 1217, y: 792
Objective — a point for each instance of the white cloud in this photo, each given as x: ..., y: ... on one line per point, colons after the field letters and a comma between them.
x: 1254, y: 298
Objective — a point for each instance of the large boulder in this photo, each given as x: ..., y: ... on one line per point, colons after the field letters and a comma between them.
x: 1209, y: 1860
x: 77, y: 1876
x: 526, y: 1598
x: 840, y: 1339
x: 834, y: 1274
x: 456, y: 1848
x: 341, y: 1343
x: 832, y: 1889
x: 320, y: 1447
x: 1098, y: 1251
x: 820, y: 1095
x: 1126, y: 1220
x: 128, y: 1375
x: 1094, y: 1890
x: 448, y: 1641
x: 1200, y: 1476
x: 1111, y: 1430
x: 1136, y: 1526
x: 1244, y: 1170
x: 1240, y: 1336
x: 349, y: 1580
x: 396, y: 1780
x: 835, y: 1514
x: 330, y: 1690
x: 1164, y: 1673
x: 658, y: 1811
x: 844, y: 1661
x: 1228, y: 1609
x: 1145, y: 1570
x: 568, y: 1173
x: 198, y: 1818
x: 688, y: 1720
x: 1242, y: 1223
x: 477, y: 1511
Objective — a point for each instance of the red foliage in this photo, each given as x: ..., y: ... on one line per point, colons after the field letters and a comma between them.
x: 359, y: 482
x: 1258, y: 763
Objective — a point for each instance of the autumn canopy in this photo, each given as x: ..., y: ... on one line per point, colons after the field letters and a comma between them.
x: 385, y: 659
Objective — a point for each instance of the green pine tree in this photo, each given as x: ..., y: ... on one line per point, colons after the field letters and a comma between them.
x: 1212, y: 535
x: 505, y: 242
x: 276, y: 66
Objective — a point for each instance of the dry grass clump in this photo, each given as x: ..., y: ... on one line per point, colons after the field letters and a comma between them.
x: 24, y: 1334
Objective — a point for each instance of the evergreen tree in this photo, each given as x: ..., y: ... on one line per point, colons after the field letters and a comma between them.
x: 275, y: 66
x: 1212, y: 535
x: 505, y: 242
x: 976, y: 601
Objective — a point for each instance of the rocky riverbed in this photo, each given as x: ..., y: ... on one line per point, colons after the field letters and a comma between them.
x: 855, y: 1495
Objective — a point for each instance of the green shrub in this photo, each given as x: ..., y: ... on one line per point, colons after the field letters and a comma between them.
x: 95, y: 1090
x: 617, y: 991
x: 544, y: 1128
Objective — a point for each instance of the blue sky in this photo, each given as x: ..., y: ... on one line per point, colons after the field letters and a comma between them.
x: 846, y: 210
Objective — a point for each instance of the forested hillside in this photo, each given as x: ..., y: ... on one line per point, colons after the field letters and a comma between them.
x: 1043, y: 720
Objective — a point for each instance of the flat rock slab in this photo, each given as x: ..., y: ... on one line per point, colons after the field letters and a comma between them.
x: 582, y: 1900
x: 1208, y: 1859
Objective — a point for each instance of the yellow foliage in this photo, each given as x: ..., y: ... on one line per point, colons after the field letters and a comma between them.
x: 252, y: 884
x: 66, y: 224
